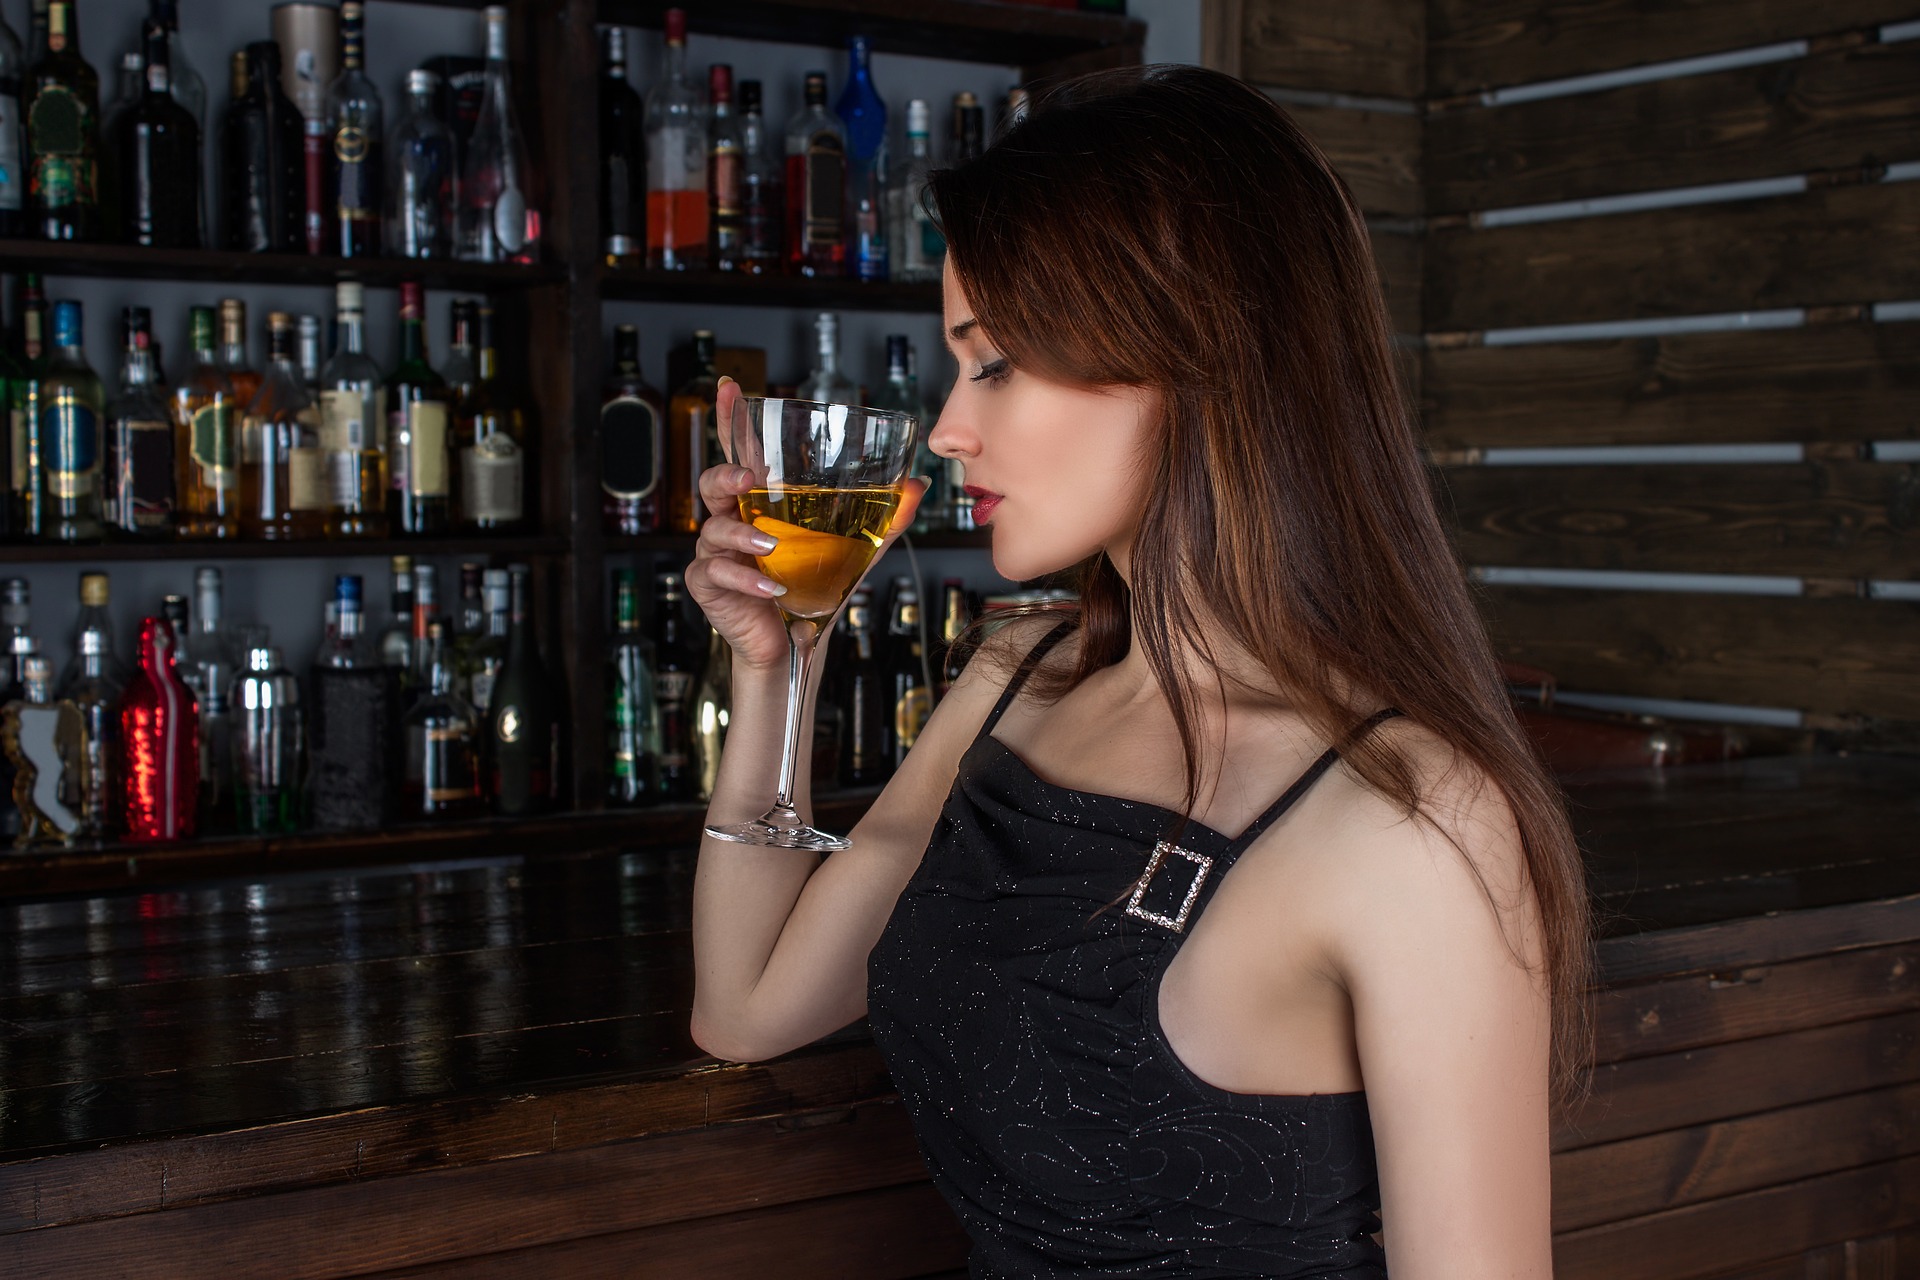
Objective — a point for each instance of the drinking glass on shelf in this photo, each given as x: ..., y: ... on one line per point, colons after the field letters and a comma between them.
x: 827, y: 480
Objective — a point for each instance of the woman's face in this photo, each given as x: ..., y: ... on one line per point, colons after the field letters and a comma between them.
x: 1056, y: 471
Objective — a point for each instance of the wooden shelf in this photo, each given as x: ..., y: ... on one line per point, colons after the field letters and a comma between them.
x: 325, y: 549
x: 222, y: 266
x: 726, y: 289
x: 965, y: 30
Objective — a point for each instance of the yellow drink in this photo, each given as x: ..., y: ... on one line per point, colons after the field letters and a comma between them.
x: 828, y: 537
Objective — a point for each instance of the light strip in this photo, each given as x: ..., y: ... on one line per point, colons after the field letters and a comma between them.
x: 1642, y: 74
x: 1683, y: 709
x: 1887, y: 312
x: 1726, y: 584
x: 1894, y: 32
x: 1884, y: 589
x: 1345, y: 101
x: 1905, y: 171
x: 1638, y: 201
x: 1895, y: 450
x: 1784, y: 318
x: 1634, y: 454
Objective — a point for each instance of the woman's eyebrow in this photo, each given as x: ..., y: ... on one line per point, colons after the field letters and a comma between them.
x: 960, y: 331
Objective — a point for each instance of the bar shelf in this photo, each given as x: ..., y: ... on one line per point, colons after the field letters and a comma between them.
x: 212, y: 266
x: 730, y: 289
x: 305, y: 549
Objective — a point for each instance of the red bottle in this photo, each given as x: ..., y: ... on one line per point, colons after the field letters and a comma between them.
x: 160, y: 736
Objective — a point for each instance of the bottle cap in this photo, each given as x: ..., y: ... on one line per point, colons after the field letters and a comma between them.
x: 37, y: 670
x: 66, y: 323
x: 720, y: 84
x: 349, y: 295
x: 676, y: 25
x: 402, y: 564
x: 347, y: 589
x: 261, y: 658
x: 93, y: 643
x: 420, y: 80
x: 93, y: 589
x: 206, y: 578
x: 617, y: 47
x: 816, y: 90
x: 919, y: 117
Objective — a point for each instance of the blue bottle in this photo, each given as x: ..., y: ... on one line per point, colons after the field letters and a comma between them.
x: 865, y: 117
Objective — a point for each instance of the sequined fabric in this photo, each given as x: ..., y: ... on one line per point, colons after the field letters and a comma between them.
x: 1015, y: 999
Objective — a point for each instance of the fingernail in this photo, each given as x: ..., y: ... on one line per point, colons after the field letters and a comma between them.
x: 741, y: 475
x: 771, y: 587
x: 724, y: 380
x: 764, y: 542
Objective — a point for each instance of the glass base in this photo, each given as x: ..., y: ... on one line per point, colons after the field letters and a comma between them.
x: 778, y: 830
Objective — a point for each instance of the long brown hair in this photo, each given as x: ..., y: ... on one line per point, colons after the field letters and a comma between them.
x: 1172, y: 228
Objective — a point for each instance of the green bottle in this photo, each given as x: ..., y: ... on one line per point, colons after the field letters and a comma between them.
x: 523, y: 721
x: 63, y: 134
x: 72, y: 423
x: 633, y: 720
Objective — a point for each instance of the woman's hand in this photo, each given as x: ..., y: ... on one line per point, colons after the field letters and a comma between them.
x: 723, y: 579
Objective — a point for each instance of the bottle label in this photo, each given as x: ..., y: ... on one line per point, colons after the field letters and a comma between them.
x: 826, y: 190
x: 12, y: 192
x: 672, y: 693
x: 22, y: 451
x: 212, y: 444
x: 307, y: 487
x: 426, y: 451
x: 629, y: 448
x: 253, y: 441
x: 71, y: 431
x: 490, y: 479
x: 140, y: 488
x: 723, y: 182
x: 352, y: 148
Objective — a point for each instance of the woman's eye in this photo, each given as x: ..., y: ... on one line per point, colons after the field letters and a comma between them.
x: 998, y: 371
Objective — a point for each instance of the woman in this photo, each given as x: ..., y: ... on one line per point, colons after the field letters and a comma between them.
x: 1131, y: 1043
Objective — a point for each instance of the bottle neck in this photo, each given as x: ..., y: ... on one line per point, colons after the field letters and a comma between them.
x: 413, y: 340
x: 350, y: 622
x: 138, y: 369
x: 677, y: 64
x: 352, y: 327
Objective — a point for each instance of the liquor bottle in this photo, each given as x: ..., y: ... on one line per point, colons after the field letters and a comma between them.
x: 235, y: 362
x: 63, y: 134
x: 904, y: 668
x: 19, y: 645
x: 353, y: 425
x: 37, y: 25
x: 160, y: 744
x: 27, y: 496
x: 462, y: 368
x: 899, y: 395
x: 173, y: 607
x: 283, y: 487
x: 522, y: 745
x: 499, y: 221
x: 140, y: 462
x: 442, y: 778
x: 677, y: 232
x: 490, y: 429
x: 763, y: 217
x: 268, y: 744
x: 46, y: 750
x: 826, y: 383
x: 309, y: 39
x: 864, y: 759
x: 915, y: 247
x: 623, y: 159
x: 676, y: 666
x: 306, y: 355
x: 633, y: 719
x: 72, y: 407
x: 469, y: 628
x: 130, y: 86
x: 13, y: 151
x: 263, y: 157
x: 969, y: 136
x: 692, y: 439
x: 426, y: 612
x: 207, y: 662
x: 712, y: 706
x: 355, y: 132
x: 956, y: 642
x: 396, y: 642
x: 188, y: 88
x: 865, y: 117
x: 726, y: 172
x: 489, y: 651
x: 632, y: 442
x: 206, y: 422
x: 350, y: 786
x: 816, y: 187
x: 92, y: 683
x: 420, y: 176
x: 417, y: 488
x: 157, y: 147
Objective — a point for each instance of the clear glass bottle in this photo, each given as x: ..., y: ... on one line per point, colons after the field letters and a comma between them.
x: 268, y: 744
x: 353, y: 425
x: 633, y: 719
x: 633, y: 419
x: 92, y: 684
x: 442, y: 777
x: 357, y: 132
x: 140, y: 464
x: 306, y: 345
x: 350, y: 779
x: 157, y: 148
x: 63, y: 134
x: 13, y: 149
x: 418, y: 474
x: 207, y: 413
x: 899, y: 395
x: 420, y: 176
x: 726, y: 172
x: 490, y: 432
x: 499, y: 220
x: 825, y: 382
x: 865, y: 115
x: 677, y: 225
x: 816, y: 186
x: 160, y: 744
x: 763, y: 219
x: 46, y: 747
x: 72, y: 434
x: 283, y: 489
x: 623, y: 158
x: 915, y: 247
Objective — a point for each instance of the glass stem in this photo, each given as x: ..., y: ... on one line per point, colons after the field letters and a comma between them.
x: 799, y: 665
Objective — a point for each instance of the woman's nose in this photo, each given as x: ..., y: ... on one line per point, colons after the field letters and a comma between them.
x: 951, y: 437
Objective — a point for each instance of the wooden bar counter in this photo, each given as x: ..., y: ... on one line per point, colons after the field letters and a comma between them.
x: 484, y: 1069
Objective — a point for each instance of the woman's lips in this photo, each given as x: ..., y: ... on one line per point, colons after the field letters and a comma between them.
x: 984, y: 501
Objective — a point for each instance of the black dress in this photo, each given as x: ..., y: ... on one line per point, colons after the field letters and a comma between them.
x: 1014, y: 996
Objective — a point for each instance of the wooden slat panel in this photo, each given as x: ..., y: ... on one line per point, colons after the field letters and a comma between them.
x: 1485, y: 44
x: 1377, y: 152
x: 1892, y: 1256
x: 1696, y: 1086
x: 877, y: 1235
x: 1709, y: 1239
x: 1341, y: 46
x: 1838, y: 520
x: 1769, y: 939
x: 1832, y: 111
x: 1397, y: 256
x: 1687, y: 1166
x: 1832, y: 246
x: 1824, y: 382
x: 1842, y: 656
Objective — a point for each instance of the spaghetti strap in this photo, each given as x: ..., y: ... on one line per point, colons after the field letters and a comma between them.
x: 1027, y: 665
x: 1307, y: 779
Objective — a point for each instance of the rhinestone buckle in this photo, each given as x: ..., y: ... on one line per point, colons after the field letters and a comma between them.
x: 1177, y: 921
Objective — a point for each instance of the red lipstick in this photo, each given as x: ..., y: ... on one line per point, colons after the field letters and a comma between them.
x: 984, y: 501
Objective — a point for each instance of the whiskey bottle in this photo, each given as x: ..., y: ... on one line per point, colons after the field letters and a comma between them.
x: 909, y: 695
x: 283, y: 489
x: 140, y: 471
x: 632, y: 442
x: 72, y: 434
x: 206, y: 422
x: 92, y: 686
x: 864, y: 759
x: 353, y: 425
x: 45, y: 743
x: 442, y: 778
x: 816, y: 187
x: 726, y: 175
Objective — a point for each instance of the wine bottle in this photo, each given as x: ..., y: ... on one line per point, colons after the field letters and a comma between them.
x: 72, y: 408
x: 185, y: 81
x: 355, y: 135
x: 692, y: 441
x: 763, y: 215
x: 633, y: 719
x: 353, y: 425
x: 909, y: 699
x: 676, y: 161
x: 157, y: 146
x: 283, y: 492
x: 140, y: 472
x: 489, y: 653
x: 417, y: 493
x: 46, y: 748
x: 63, y: 134
x: 490, y: 431
x: 816, y: 186
x: 726, y: 176
x: 28, y: 494
x: 865, y: 115
x: 420, y: 176
x: 523, y: 717
x: 206, y: 423
x: 825, y: 382
x: 442, y: 778
x: 676, y: 666
x: 13, y: 152
x: 623, y: 159
x: 864, y: 759
x: 160, y: 741
x: 351, y: 785
x: 499, y: 219
x: 632, y: 442
x: 263, y: 157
